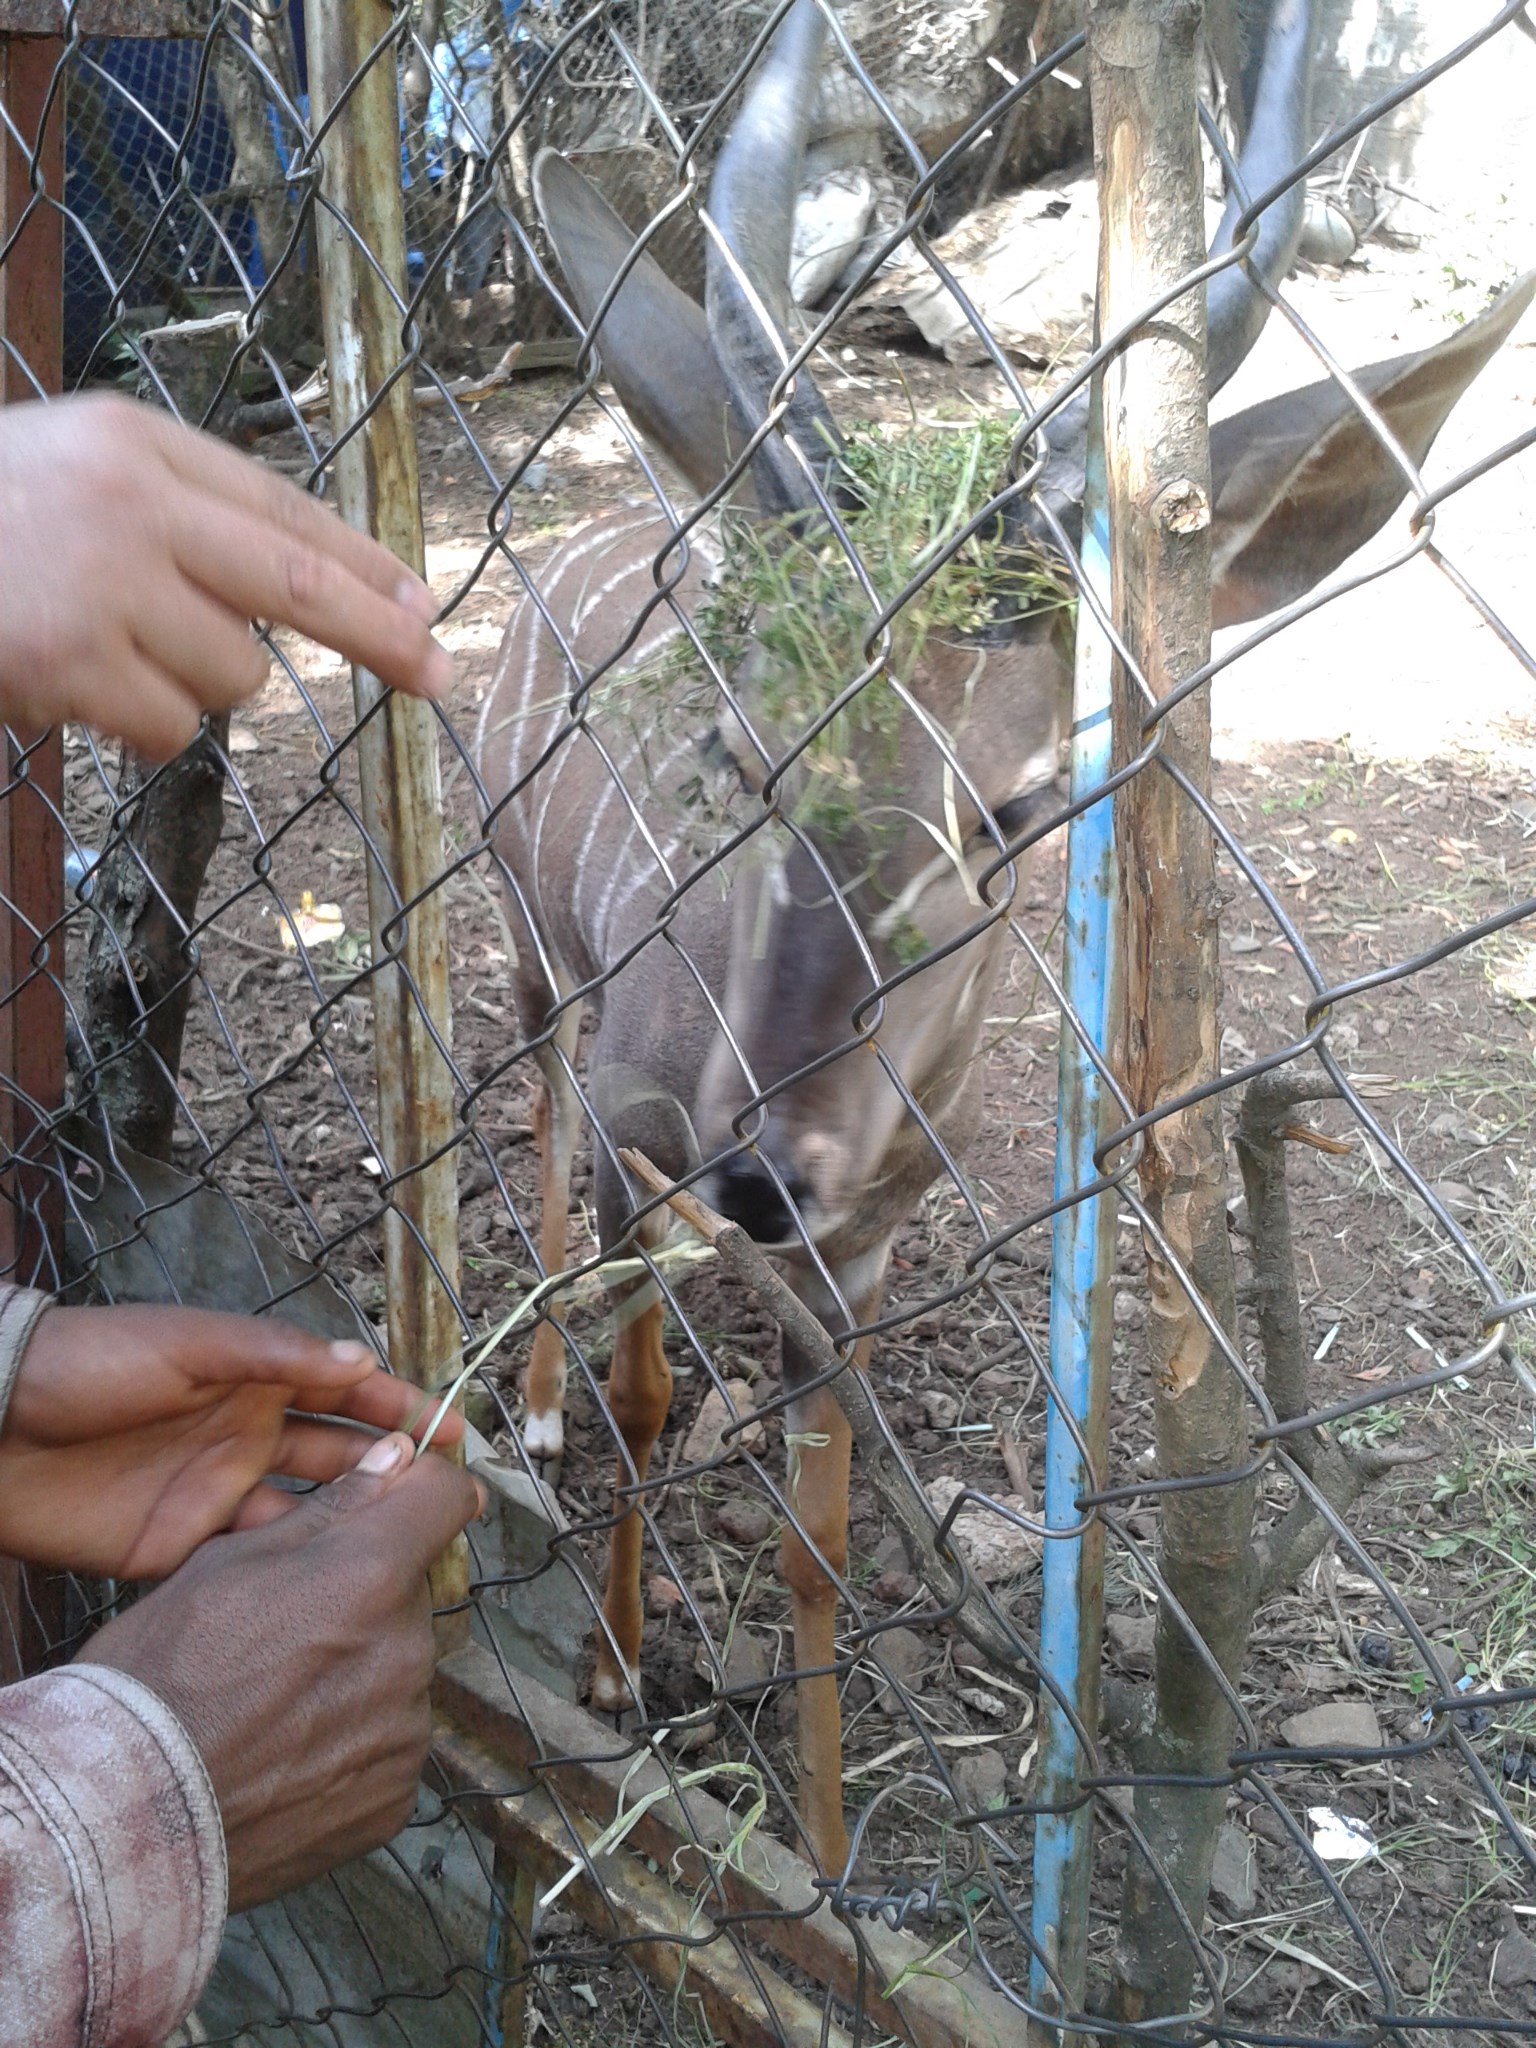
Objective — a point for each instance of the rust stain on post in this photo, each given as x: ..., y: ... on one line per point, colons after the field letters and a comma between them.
x: 360, y: 233
x: 31, y: 828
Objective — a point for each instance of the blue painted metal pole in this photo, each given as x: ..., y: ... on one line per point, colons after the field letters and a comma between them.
x: 1082, y: 1268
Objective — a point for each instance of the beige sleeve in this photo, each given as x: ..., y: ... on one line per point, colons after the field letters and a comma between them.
x: 113, y: 1883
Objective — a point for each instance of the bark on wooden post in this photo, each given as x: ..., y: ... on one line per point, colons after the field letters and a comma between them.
x: 139, y: 977
x: 1143, y: 75
x: 360, y: 233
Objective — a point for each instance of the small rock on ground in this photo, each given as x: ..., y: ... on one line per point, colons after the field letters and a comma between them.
x: 706, y: 1438
x: 894, y: 1589
x: 941, y: 1409
x: 906, y: 1655
x: 1234, y: 1875
x: 747, y: 1669
x: 1131, y: 1637
x: 663, y: 1596
x: 995, y: 1548
x: 1341, y: 1724
x: 1514, y: 1961
x: 746, y: 1522
x: 981, y: 1780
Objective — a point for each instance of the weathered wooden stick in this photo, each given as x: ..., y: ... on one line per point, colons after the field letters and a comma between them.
x: 491, y: 1745
x: 1320, y: 1141
x: 881, y: 1462
x: 360, y: 233
x: 1146, y: 144
x: 1341, y: 1475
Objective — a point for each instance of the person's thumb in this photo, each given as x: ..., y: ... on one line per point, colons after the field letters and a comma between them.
x: 376, y: 1471
x: 416, y: 1505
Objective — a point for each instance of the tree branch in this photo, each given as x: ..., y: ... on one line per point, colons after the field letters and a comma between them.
x: 1341, y: 1476
x: 977, y: 1617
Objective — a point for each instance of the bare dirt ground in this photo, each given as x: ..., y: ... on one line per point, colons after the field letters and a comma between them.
x: 1379, y: 763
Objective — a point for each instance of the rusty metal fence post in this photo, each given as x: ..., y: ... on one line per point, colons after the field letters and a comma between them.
x: 354, y: 101
x: 31, y: 814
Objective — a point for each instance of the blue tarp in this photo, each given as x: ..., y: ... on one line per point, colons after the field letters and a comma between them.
x: 152, y: 140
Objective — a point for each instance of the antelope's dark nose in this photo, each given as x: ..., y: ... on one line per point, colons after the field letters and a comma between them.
x: 745, y: 1192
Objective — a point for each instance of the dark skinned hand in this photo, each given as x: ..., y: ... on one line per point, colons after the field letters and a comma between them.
x: 135, y: 1433
x: 298, y: 1658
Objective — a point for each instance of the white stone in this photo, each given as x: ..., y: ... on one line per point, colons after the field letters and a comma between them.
x: 994, y: 1547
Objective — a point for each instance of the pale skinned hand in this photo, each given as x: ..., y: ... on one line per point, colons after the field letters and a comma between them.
x: 298, y: 1658
x: 135, y: 1433
x: 133, y: 553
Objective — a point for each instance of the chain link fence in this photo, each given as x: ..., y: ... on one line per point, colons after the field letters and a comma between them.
x: 1185, y: 1644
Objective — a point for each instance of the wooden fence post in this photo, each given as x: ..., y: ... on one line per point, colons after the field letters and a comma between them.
x: 1151, y: 184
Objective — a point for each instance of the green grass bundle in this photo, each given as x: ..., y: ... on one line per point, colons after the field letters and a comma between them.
x: 804, y: 608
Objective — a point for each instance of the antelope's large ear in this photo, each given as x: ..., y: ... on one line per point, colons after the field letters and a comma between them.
x: 654, y: 341
x: 1300, y: 482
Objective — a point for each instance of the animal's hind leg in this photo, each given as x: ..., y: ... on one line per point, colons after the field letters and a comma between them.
x: 556, y: 1117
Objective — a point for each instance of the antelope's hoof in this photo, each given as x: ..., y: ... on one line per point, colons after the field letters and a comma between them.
x: 615, y: 1689
x: 544, y: 1441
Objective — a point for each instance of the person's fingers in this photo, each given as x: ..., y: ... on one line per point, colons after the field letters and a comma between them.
x: 203, y: 646
x: 385, y: 1465
x: 215, y: 1349
x: 384, y: 1402
x: 318, y: 1450
x: 140, y: 703
x: 274, y: 576
x: 322, y: 1450
x: 237, y: 480
x: 264, y: 1505
x: 413, y: 1513
x: 266, y: 570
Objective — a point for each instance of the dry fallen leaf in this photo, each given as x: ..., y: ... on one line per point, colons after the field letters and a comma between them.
x: 317, y: 924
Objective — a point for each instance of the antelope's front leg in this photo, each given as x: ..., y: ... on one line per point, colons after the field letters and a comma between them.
x: 820, y: 1453
x: 554, y: 1132
x: 638, y: 1397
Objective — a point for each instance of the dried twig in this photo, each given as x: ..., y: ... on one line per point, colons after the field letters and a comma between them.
x: 1340, y: 1475
x: 945, y: 1575
x: 271, y: 415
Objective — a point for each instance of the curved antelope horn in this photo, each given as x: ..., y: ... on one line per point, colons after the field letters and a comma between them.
x: 653, y: 340
x: 1236, y: 307
x: 752, y: 206
x: 1276, y: 140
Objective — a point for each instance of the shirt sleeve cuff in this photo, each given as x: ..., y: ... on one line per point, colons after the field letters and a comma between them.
x: 120, y: 1790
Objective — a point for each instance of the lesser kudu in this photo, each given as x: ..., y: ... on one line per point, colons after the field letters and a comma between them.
x: 761, y: 1017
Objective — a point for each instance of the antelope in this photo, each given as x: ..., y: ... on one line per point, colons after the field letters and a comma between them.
x: 758, y: 1031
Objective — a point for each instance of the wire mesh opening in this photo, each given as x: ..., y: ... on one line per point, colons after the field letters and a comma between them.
x: 776, y: 969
